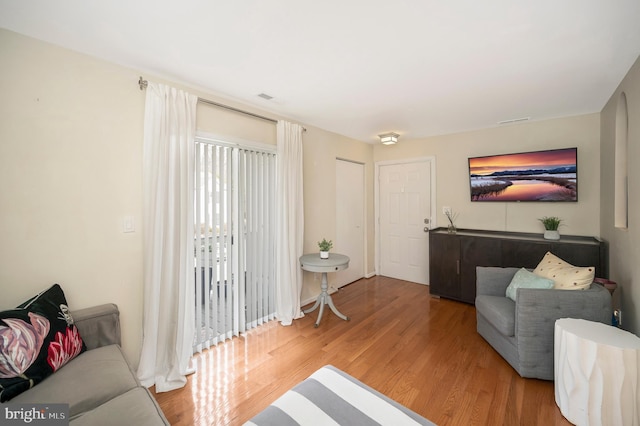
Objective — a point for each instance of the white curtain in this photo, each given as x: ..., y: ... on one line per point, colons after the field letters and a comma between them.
x: 168, y: 175
x: 290, y: 222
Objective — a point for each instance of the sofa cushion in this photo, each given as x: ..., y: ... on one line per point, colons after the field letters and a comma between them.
x: 93, y: 378
x: 36, y: 339
x: 499, y: 311
x: 525, y: 279
x: 565, y: 275
x: 135, y: 407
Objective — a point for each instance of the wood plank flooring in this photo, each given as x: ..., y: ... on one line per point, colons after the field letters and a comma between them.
x: 421, y: 351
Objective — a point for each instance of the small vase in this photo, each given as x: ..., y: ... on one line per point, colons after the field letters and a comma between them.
x: 551, y: 235
x: 324, y: 255
x: 451, y: 229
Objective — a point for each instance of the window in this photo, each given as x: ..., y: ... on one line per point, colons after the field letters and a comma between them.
x: 234, y: 240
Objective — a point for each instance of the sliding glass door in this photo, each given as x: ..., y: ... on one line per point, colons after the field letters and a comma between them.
x: 234, y: 240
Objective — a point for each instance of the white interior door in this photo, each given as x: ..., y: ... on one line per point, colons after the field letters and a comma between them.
x: 404, y: 207
x: 350, y: 219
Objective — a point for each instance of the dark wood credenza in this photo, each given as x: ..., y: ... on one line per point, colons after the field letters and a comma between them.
x: 453, y: 257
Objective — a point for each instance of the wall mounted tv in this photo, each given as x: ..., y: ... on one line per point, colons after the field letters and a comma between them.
x: 550, y: 175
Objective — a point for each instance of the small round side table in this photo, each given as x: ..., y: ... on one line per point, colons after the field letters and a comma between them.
x: 313, y: 263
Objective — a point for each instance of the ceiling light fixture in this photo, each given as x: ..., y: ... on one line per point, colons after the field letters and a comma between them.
x: 389, y: 138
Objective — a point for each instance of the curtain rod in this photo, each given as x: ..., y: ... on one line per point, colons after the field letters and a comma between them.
x: 144, y: 83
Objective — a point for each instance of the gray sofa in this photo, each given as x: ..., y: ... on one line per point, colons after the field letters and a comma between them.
x: 522, y: 332
x: 99, y: 385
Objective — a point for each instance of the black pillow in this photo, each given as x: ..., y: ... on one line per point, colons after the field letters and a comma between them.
x: 36, y: 339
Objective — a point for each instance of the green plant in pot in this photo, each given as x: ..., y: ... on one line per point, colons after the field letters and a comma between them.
x: 324, y: 247
x: 551, y: 225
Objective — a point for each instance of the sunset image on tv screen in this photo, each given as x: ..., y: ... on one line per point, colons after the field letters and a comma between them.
x: 530, y: 176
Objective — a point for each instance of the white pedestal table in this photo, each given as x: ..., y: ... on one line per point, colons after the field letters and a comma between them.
x: 313, y: 263
x: 597, y: 373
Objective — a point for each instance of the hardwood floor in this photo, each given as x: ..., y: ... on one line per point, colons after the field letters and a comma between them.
x: 421, y: 351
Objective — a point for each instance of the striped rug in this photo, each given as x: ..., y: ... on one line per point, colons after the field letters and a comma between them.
x: 332, y: 397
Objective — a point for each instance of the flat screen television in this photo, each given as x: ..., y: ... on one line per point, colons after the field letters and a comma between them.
x: 550, y: 175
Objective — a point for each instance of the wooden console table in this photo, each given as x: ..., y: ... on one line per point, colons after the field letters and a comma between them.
x: 453, y: 257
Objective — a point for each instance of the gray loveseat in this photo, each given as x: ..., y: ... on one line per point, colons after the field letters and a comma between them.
x: 99, y: 385
x: 522, y: 332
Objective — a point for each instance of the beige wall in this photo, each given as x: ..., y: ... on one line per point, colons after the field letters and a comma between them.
x: 71, y: 130
x: 452, y: 180
x: 624, y: 244
x: 212, y: 120
x: 70, y: 169
x: 321, y: 148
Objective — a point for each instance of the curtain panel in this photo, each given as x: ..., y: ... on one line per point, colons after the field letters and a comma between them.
x: 168, y: 187
x: 290, y: 222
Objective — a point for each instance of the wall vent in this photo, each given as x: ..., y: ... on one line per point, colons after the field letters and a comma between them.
x: 514, y: 120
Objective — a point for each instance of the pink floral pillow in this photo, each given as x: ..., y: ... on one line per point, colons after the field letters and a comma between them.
x: 36, y: 339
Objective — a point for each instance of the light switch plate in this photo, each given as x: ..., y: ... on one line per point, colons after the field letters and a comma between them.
x: 128, y: 224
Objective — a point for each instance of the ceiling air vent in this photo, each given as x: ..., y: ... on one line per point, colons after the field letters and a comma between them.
x: 265, y: 96
x: 514, y: 120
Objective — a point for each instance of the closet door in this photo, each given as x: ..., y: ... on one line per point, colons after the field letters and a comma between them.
x: 350, y: 237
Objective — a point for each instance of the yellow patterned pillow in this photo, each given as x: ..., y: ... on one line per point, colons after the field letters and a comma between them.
x: 565, y: 275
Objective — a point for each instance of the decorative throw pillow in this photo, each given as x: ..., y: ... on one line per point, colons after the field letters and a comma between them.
x: 565, y: 275
x: 526, y: 279
x: 36, y: 339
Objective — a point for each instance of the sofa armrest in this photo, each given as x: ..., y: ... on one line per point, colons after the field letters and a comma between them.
x: 98, y: 325
x: 492, y: 280
x: 537, y: 311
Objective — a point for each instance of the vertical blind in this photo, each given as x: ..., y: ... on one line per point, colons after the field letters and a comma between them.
x: 234, y: 241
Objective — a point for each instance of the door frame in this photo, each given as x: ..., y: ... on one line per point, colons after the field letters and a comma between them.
x: 364, y: 212
x: 432, y: 215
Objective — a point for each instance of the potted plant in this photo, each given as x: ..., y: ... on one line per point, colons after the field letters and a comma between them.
x: 551, y: 224
x: 325, y: 246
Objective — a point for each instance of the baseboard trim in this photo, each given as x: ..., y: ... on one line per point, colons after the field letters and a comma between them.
x: 331, y: 290
x: 308, y: 301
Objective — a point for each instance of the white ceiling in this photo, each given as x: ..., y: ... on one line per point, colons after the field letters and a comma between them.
x: 363, y: 67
